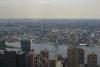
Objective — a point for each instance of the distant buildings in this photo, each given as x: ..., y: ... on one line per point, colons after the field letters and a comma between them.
x: 13, y: 45
x: 28, y: 58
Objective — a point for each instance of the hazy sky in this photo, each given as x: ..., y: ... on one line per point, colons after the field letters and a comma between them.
x: 49, y: 8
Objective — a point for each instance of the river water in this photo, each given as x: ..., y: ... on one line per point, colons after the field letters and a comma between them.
x: 62, y: 49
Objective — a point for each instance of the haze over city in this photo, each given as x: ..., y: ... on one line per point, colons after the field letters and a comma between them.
x: 49, y: 9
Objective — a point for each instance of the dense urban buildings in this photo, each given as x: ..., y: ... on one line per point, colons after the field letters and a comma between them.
x: 17, y: 38
x: 13, y: 59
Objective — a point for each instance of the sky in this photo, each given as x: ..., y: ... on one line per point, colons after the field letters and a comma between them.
x: 49, y: 9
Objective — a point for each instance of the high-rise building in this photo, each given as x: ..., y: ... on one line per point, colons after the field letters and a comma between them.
x: 37, y: 61
x: 2, y: 45
x: 21, y: 60
x: 25, y: 45
x: 31, y: 58
x: 9, y: 59
x: 92, y: 60
x: 81, y: 57
x: 59, y: 61
x: 59, y: 64
x: 64, y: 62
x: 52, y: 63
x: 44, y: 57
x: 75, y: 57
x: 1, y: 59
x: 24, y: 60
x: 18, y: 58
x: 75, y: 54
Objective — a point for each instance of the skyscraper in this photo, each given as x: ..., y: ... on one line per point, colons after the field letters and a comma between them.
x: 2, y: 44
x: 59, y: 61
x: 31, y: 58
x: 9, y: 59
x: 92, y: 60
x: 81, y: 57
x: 44, y: 57
x: 75, y: 57
x: 25, y: 45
